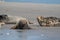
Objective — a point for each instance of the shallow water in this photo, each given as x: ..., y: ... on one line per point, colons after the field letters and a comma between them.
x: 40, y: 33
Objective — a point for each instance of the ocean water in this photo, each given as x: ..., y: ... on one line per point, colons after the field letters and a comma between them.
x: 30, y: 11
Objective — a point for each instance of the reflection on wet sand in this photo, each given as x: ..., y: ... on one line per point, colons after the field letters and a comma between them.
x: 44, y: 33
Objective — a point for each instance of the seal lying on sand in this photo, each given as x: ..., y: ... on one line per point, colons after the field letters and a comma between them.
x: 8, y: 19
x: 48, y: 21
x: 22, y: 24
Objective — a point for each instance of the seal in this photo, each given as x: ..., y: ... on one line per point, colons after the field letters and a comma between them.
x: 22, y: 24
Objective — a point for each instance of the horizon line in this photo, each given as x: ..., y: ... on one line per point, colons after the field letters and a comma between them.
x: 30, y: 2
x: 26, y: 3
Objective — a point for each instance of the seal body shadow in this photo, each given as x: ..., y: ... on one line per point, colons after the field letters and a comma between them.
x: 22, y: 24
